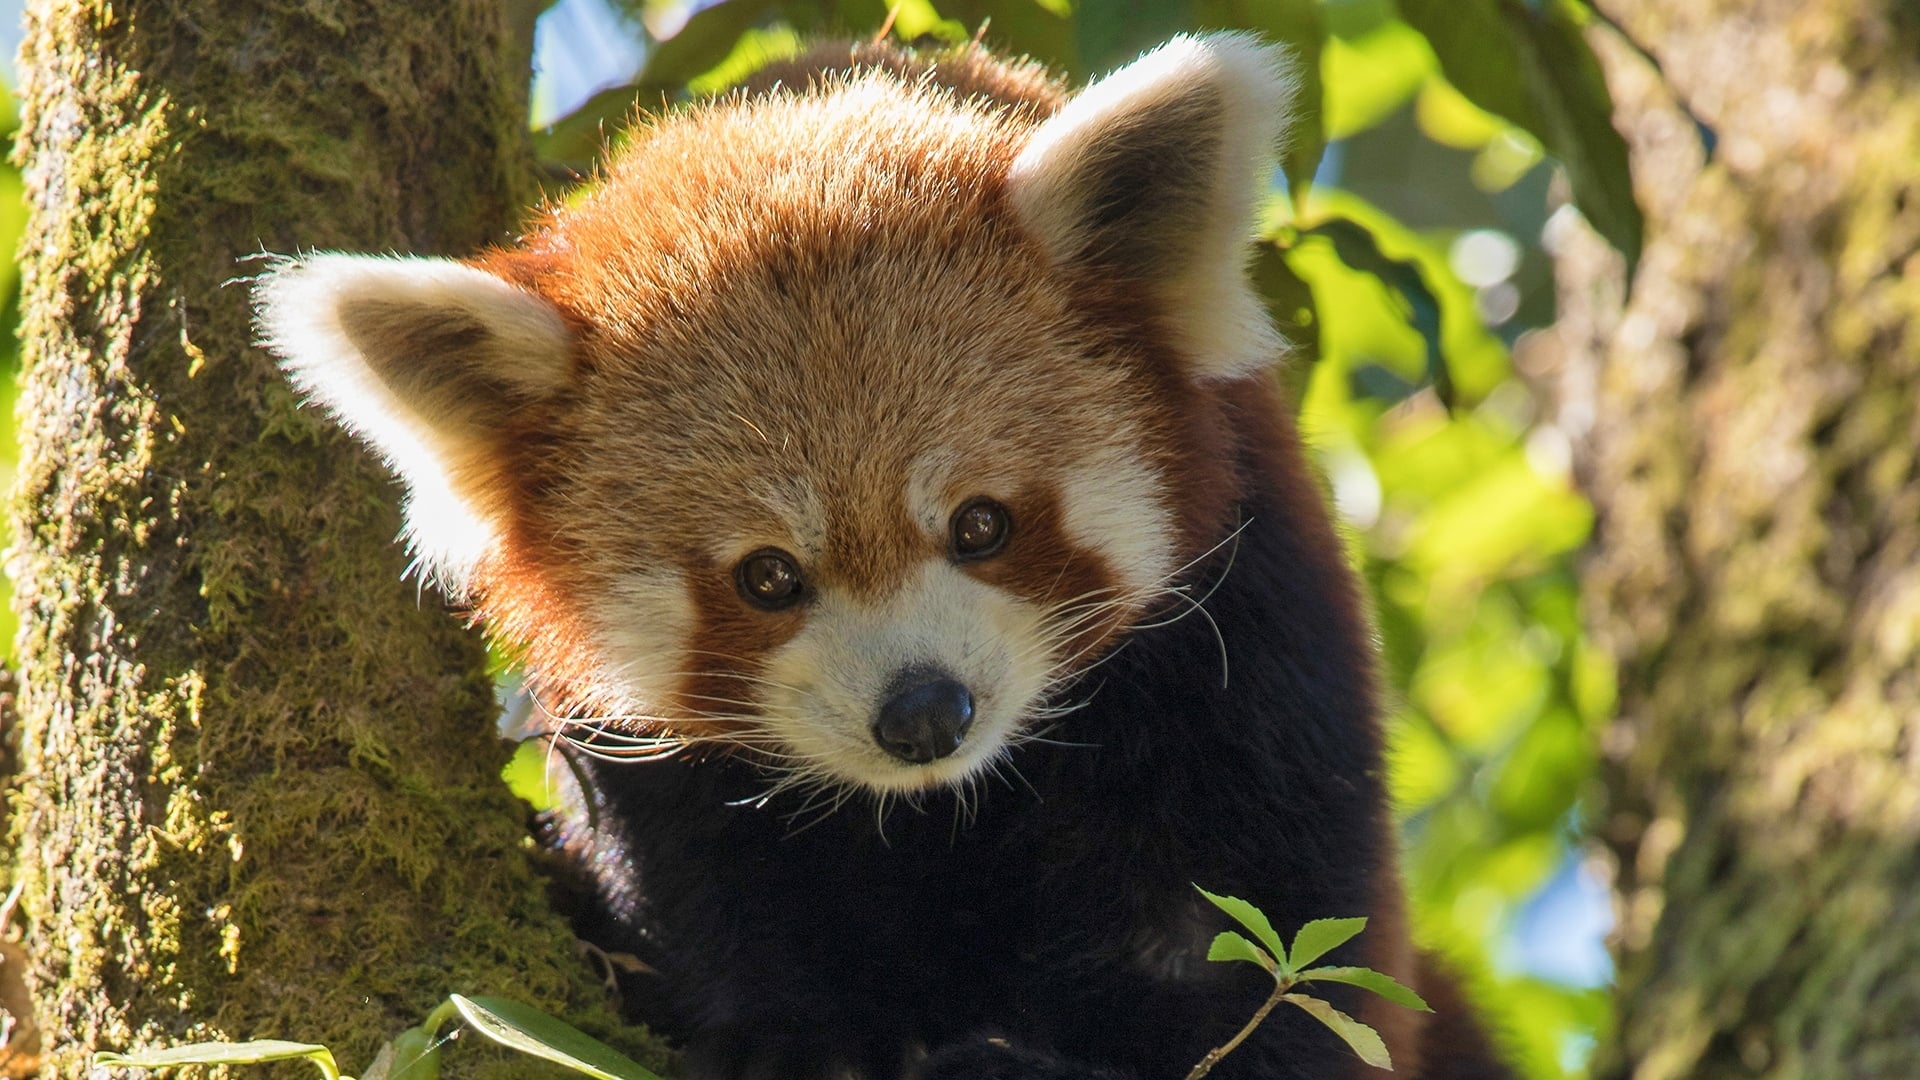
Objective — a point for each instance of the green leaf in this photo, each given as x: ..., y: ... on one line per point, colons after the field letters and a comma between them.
x: 1304, y: 33
x: 531, y: 1031
x: 1584, y: 9
x: 1479, y: 55
x: 1290, y: 302
x: 1358, y: 249
x: 1364, y: 1040
x: 706, y: 39
x: 257, y: 1052
x: 1369, y: 77
x: 1228, y: 945
x: 1529, y: 63
x: 1253, y: 919
x: 918, y: 21
x: 1321, y: 936
x: 416, y: 1055
x: 578, y: 139
x: 1367, y: 979
x: 754, y: 50
x: 1113, y: 32
x: 1579, y: 112
x: 1042, y: 29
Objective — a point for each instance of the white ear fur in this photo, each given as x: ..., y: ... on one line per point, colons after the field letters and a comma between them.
x: 418, y: 358
x: 1153, y: 173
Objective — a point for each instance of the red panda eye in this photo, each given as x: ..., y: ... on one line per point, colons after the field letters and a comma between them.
x: 768, y: 579
x: 980, y: 529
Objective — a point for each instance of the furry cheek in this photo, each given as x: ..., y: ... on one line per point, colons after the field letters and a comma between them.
x: 1093, y: 553
x: 642, y: 622
x: 827, y: 687
x: 1113, y: 504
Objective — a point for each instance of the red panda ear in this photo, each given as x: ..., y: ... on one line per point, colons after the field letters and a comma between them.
x: 422, y: 359
x: 1153, y: 174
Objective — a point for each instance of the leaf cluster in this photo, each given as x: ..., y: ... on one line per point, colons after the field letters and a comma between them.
x: 415, y: 1053
x: 1290, y: 969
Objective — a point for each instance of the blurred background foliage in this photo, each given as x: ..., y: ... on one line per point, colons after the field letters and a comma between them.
x: 1404, y: 247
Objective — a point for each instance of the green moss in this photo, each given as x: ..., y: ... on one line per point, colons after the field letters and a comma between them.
x: 260, y: 794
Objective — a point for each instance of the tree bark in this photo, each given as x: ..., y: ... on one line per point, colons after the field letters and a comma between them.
x: 1748, y: 426
x: 259, y: 790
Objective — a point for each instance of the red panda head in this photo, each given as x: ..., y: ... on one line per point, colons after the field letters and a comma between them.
x: 842, y: 427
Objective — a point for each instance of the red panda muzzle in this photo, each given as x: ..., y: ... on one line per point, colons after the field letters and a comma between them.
x: 924, y: 718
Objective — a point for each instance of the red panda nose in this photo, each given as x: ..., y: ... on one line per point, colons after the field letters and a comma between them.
x: 925, y: 719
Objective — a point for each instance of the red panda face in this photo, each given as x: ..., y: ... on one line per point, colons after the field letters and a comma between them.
x: 842, y: 428
x: 822, y: 500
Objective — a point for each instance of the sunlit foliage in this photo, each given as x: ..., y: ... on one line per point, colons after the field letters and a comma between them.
x: 13, y: 224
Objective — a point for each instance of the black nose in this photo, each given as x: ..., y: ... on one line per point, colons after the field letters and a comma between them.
x: 925, y: 719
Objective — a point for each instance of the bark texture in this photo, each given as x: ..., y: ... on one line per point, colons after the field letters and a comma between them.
x: 259, y: 789
x: 1748, y: 426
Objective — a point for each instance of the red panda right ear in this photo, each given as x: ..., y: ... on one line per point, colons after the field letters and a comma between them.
x: 423, y: 360
x: 1151, y: 176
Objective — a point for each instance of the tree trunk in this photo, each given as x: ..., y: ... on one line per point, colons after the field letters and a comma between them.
x: 1748, y: 426
x: 259, y: 790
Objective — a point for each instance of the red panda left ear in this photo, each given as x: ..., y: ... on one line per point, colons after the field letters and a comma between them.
x: 425, y: 361
x: 1153, y: 175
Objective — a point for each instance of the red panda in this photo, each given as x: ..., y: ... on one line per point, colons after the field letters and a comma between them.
x: 896, y: 438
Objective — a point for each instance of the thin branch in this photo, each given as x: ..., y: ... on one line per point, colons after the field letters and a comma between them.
x: 1213, y: 1057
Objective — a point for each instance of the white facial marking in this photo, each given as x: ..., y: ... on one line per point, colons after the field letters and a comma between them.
x: 1115, y: 505
x: 927, y: 498
x: 827, y: 683
x: 643, y: 622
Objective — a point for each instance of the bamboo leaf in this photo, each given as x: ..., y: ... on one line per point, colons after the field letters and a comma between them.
x: 533, y: 1032
x: 1364, y: 1040
x: 1367, y: 979
x: 257, y: 1052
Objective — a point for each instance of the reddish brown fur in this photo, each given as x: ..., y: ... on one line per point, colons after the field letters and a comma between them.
x: 970, y: 73
x: 727, y: 335
x: 1043, y: 565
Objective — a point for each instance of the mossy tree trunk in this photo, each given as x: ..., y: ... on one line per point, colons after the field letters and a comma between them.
x: 259, y: 792
x: 1748, y: 424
